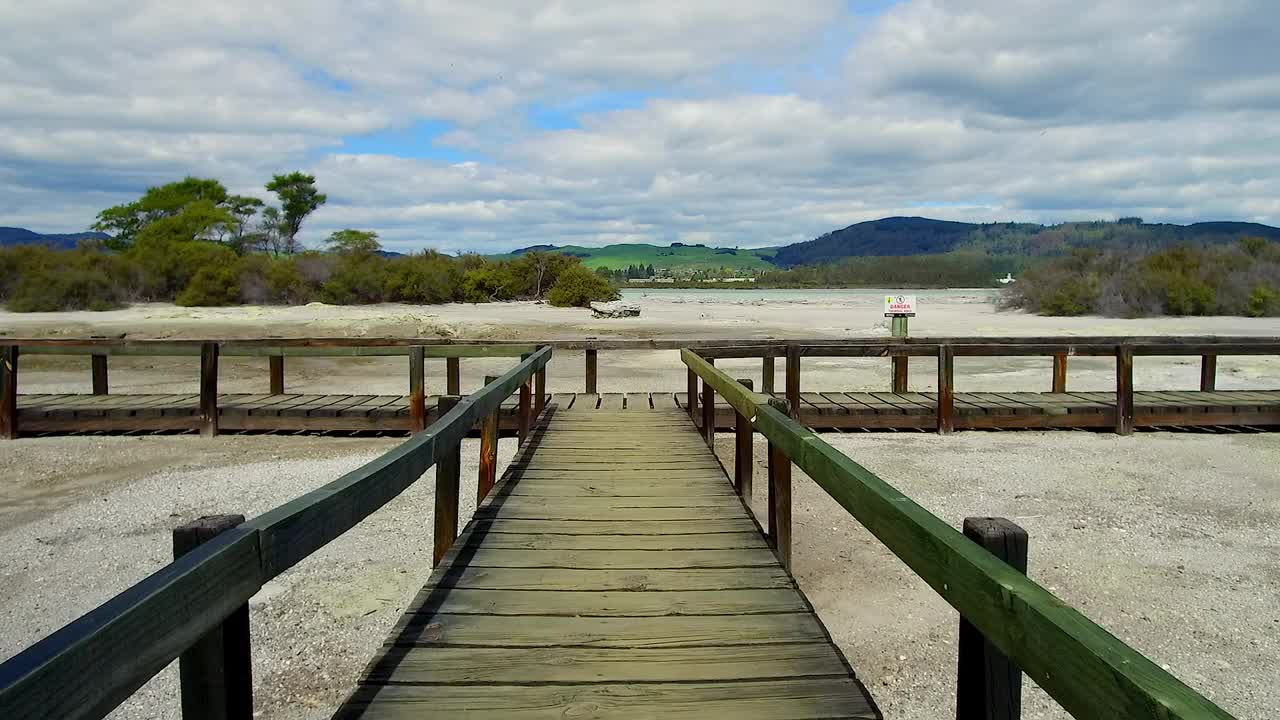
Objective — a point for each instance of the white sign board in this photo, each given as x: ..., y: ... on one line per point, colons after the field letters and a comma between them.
x: 900, y: 305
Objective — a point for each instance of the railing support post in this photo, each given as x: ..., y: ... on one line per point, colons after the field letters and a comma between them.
x: 1124, y: 390
x: 1208, y: 373
x: 1060, y: 372
x: 448, y: 475
x: 591, y: 371
x: 691, y: 397
x: 946, y: 389
x: 453, y: 376
x: 209, y: 390
x: 988, y: 683
x: 780, y: 498
x: 767, y: 372
x: 709, y: 414
x: 743, y: 457
x: 277, y: 374
x: 524, y: 413
x: 99, y: 372
x: 417, y: 389
x: 539, y: 392
x: 488, y: 476
x: 216, y: 674
x: 9, y: 392
x: 793, y: 381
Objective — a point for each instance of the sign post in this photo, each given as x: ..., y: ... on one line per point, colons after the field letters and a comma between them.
x: 899, y: 308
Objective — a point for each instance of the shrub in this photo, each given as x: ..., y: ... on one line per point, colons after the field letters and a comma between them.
x: 1264, y: 301
x: 212, y: 287
x: 426, y: 278
x: 356, y: 280
x: 484, y: 284
x: 579, y: 287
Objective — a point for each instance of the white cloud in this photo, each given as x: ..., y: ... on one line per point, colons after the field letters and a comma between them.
x: 749, y: 123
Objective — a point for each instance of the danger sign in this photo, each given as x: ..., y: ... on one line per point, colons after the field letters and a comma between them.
x: 900, y: 305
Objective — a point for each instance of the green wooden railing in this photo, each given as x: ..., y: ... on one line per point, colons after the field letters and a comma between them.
x: 1090, y: 672
x: 91, y: 665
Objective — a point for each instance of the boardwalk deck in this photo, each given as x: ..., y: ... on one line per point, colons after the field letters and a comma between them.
x: 820, y: 410
x: 613, y: 573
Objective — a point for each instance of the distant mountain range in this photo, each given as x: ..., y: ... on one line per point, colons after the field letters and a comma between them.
x: 23, y: 236
x: 894, y: 236
x: 898, y: 236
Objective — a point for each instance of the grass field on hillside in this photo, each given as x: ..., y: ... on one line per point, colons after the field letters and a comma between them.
x: 687, y: 258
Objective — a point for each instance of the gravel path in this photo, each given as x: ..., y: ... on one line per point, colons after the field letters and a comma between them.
x: 1172, y: 542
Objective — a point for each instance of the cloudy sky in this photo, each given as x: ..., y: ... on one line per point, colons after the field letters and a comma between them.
x: 488, y: 125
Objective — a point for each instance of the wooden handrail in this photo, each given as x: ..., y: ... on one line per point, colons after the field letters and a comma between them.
x: 1087, y: 670
x: 91, y: 665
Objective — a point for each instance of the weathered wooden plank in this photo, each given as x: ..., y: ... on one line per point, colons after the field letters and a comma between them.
x: 618, y: 632
x: 664, y: 541
x: 611, y: 503
x: 563, y: 490
x: 620, y: 559
x: 663, y: 401
x: 563, y: 401
x: 631, y: 580
x: 630, y: 527
x: 789, y: 699
x: 611, y: 401
x: 616, y: 514
x: 588, y: 665
x: 637, y: 401
x: 586, y: 401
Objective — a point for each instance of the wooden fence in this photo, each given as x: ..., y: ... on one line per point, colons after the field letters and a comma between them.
x: 91, y: 665
x: 1088, y: 671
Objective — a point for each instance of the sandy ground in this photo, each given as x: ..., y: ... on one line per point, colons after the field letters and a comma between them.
x: 1170, y: 541
x: 669, y: 314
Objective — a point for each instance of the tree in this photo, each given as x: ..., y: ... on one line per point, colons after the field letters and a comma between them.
x: 298, y: 199
x: 124, y: 222
x: 354, y: 242
x: 578, y: 287
x: 242, y: 208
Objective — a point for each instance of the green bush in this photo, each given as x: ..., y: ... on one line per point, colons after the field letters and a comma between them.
x: 486, y: 283
x: 356, y: 280
x: 212, y: 287
x: 427, y: 278
x: 1264, y: 301
x: 579, y: 287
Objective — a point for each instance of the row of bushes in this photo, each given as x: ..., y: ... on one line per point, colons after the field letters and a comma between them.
x: 1240, y: 279
x: 197, y: 273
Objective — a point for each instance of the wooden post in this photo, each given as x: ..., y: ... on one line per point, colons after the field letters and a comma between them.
x: 524, y: 417
x: 591, y: 370
x: 448, y: 473
x: 691, y: 397
x: 1208, y: 373
x: 780, y: 498
x: 488, y: 452
x: 1124, y: 390
x: 709, y: 414
x: 277, y: 374
x: 743, y: 458
x: 1060, y: 372
x: 99, y: 370
x: 209, y: 390
x: 989, y: 684
x: 793, y: 381
x: 216, y: 674
x: 453, y: 375
x: 946, y: 389
x: 767, y: 373
x: 540, y: 391
x: 417, y: 389
x: 898, y: 329
x: 8, y: 392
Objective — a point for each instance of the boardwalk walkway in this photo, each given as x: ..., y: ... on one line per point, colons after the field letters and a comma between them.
x: 613, y: 573
x: 819, y: 410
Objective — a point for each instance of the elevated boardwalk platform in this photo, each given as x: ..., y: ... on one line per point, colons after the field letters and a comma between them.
x: 613, y: 572
x: 818, y: 410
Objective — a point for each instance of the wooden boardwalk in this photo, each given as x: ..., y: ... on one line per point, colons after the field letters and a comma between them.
x: 613, y: 572
x: 820, y: 410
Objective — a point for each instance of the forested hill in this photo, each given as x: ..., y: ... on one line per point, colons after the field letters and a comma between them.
x: 920, y: 236
x: 23, y: 236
